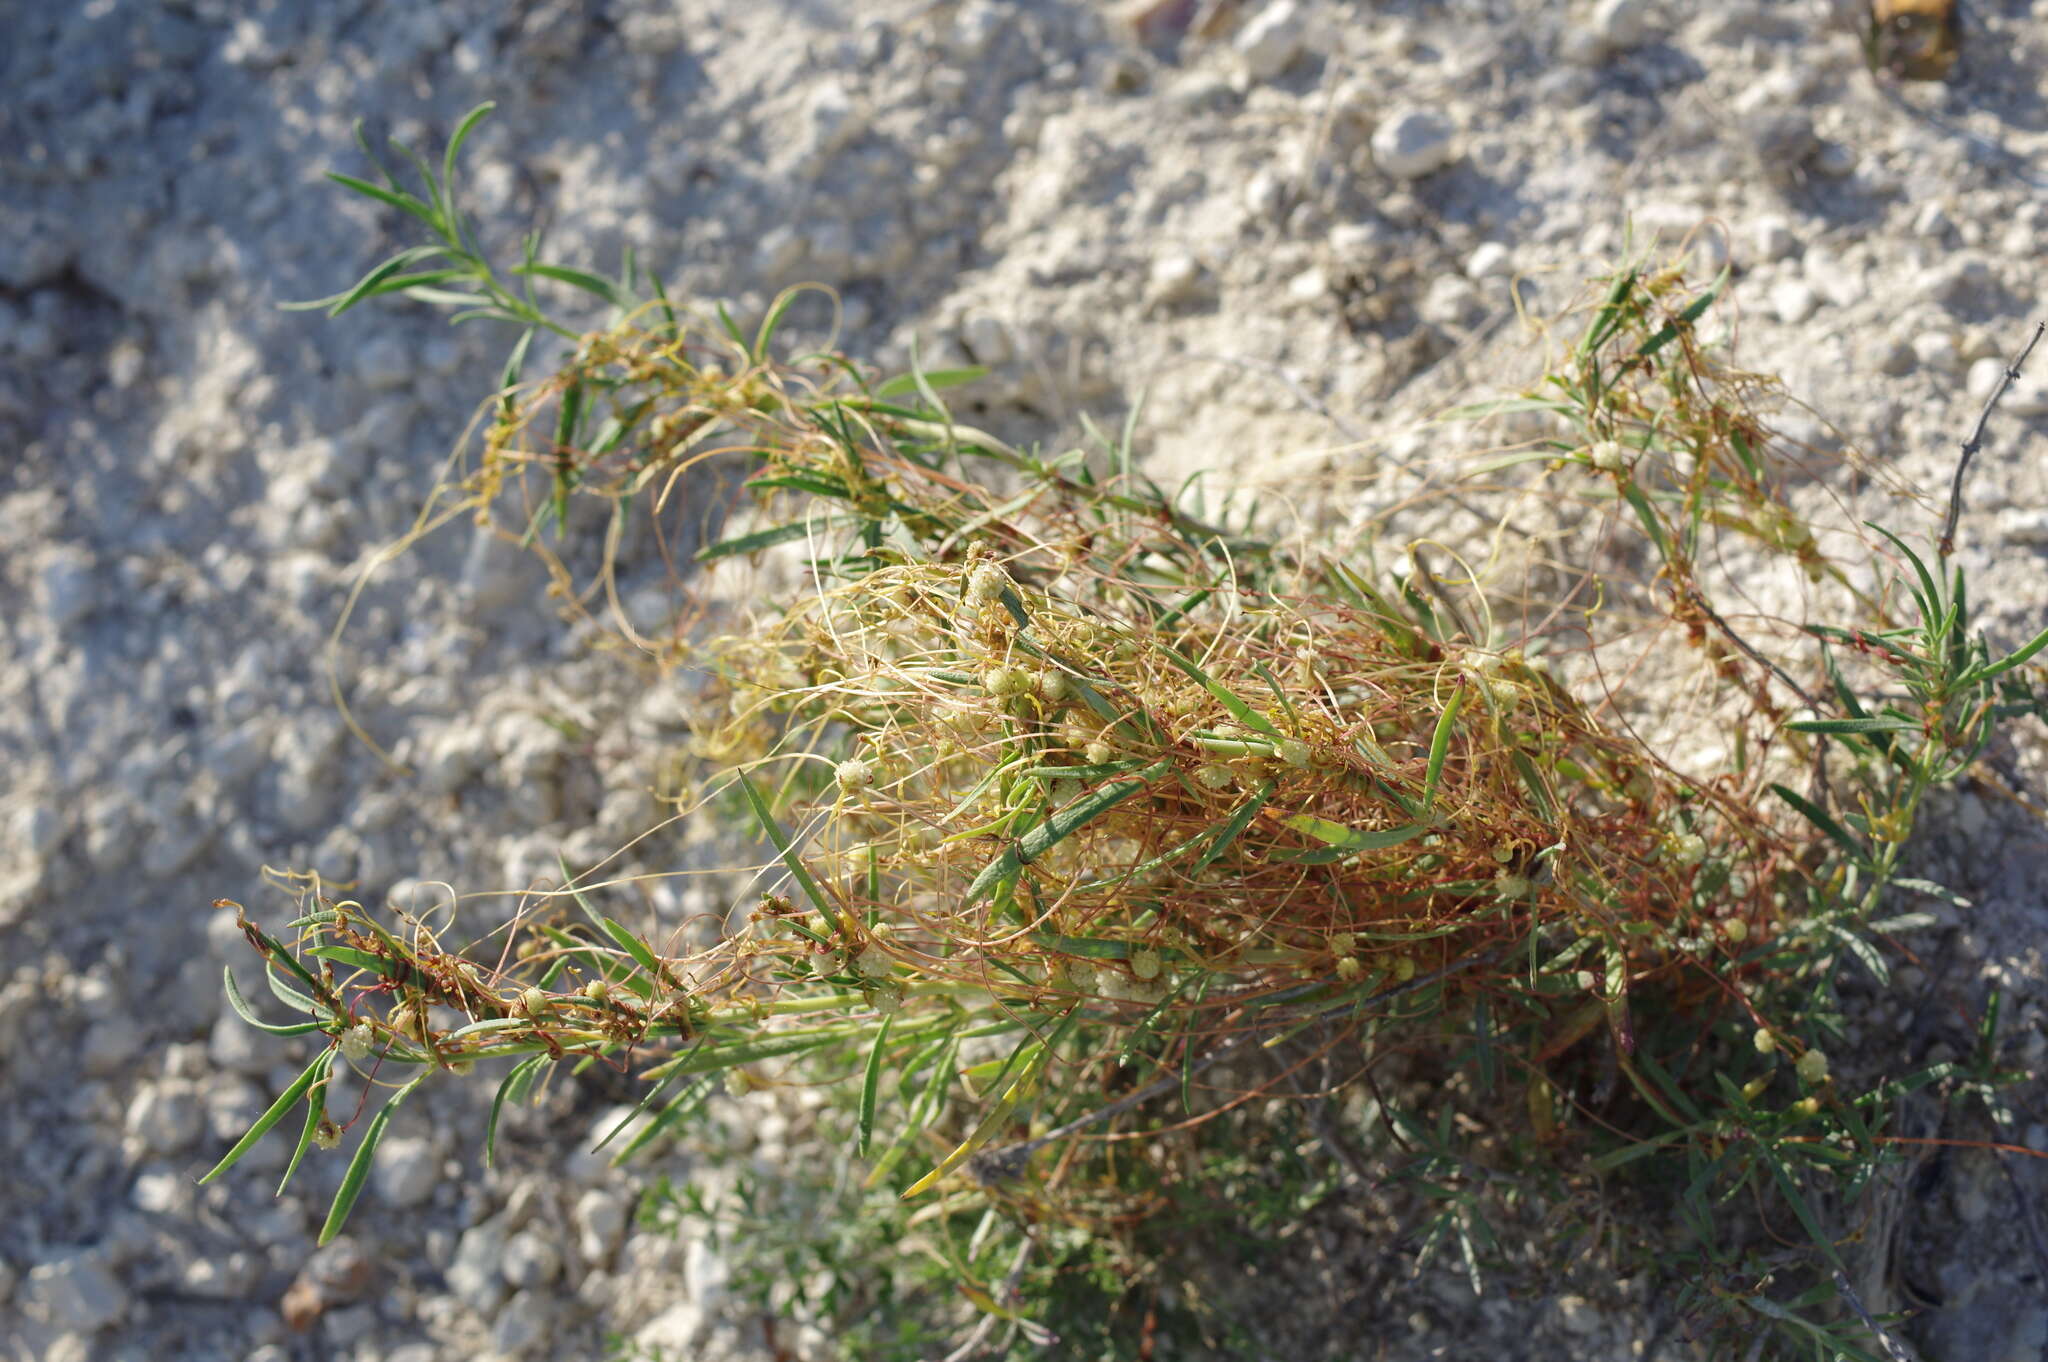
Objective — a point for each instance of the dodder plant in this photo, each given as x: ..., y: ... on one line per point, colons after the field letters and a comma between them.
x: 1091, y: 816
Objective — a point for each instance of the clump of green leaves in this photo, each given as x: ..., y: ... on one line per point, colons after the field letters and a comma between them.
x: 1087, y: 814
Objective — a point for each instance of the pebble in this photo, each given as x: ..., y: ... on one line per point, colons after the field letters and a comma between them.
x: 346, y: 1327
x: 527, y: 1323
x: 1174, y: 278
x: 600, y: 1224
x: 474, y: 1276
x: 408, y: 1170
x: 110, y: 1043
x: 1793, y: 301
x: 1264, y: 193
x: 1984, y: 377
x: 1773, y: 237
x: 530, y: 1260
x: 1450, y: 302
x: 1937, y: 350
x: 75, y: 1293
x: 1622, y: 24
x: 1897, y: 359
x: 1308, y: 286
x: 69, y: 592
x: 1489, y: 260
x: 1413, y: 142
x: 165, y: 1118
x: 1269, y: 43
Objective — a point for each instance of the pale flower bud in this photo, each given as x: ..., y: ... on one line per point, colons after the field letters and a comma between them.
x: 356, y: 1042
x: 985, y: 584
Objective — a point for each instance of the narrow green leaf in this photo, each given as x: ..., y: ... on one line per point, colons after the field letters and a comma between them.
x: 1236, y: 824
x: 1669, y: 331
x: 1932, y: 890
x: 756, y: 540
x: 1800, y: 1209
x: 590, y: 283
x: 1816, y: 816
x: 359, y: 1167
x: 1055, y: 829
x: 937, y: 378
x: 284, y: 1103
x: 679, y: 1109
x: 1929, y: 594
x: 463, y: 129
x: 1439, y: 747
x: 639, y: 950
x: 514, y: 1078
x: 316, y: 1112
x: 361, y: 959
x: 273, y: 951
x: 1871, y: 724
x: 405, y: 203
x: 870, y: 1086
x: 1239, y: 710
x: 248, y: 1014
x: 1346, y: 840
x: 826, y: 907
x: 1652, y: 526
x: 2005, y: 664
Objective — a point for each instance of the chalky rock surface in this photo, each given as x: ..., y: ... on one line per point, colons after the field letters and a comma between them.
x: 1300, y: 233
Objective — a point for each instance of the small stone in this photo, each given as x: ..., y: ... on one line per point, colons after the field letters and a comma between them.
x: 110, y: 1044
x: 1793, y: 301
x: 524, y: 1325
x: 1984, y: 377
x: 39, y: 828
x: 347, y: 1327
x: 161, y: 1192
x: 69, y: 593
x: 165, y: 1118
x: 1621, y: 24
x: 1489, y: 260
x: 1413, y: 142
x: 1937, y: 350
x: 238, y: 1047
x: 1271, y: 41
x: 1897, y: 360
x: 408, y: 1170
x: 530, y: 1261
x: 1773, y: 237
x: 1308, y: 286
x: 989, y: 341
x: 1264, y: 193
x: 600, y: 1224
x: 1175, y: 278
x: 75, y: 1293
x: 474, y: 1277
x: 220, y: 1278
x: 1933, y: 220
x: 1450, y: 302
x: 385, y: 362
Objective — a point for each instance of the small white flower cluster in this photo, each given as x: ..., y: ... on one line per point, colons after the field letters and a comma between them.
x: 986, y: 583
x: 1004, y: 682
x: 356, y: 1042
x: 1607, y: 456
x: 854, y: 774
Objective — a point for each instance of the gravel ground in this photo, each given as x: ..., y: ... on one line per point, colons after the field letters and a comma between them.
x: 1297, y: 228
